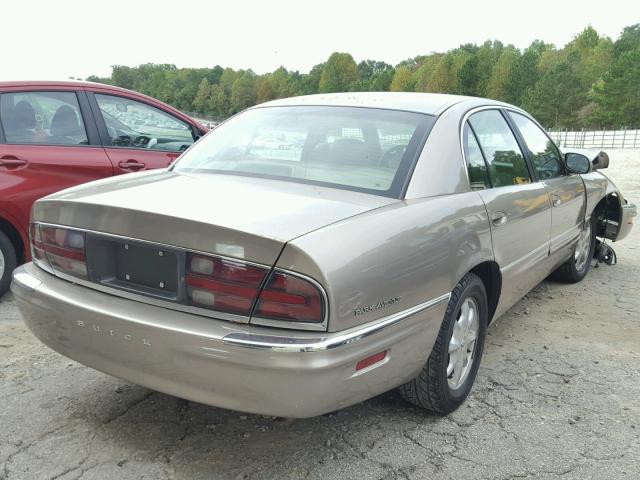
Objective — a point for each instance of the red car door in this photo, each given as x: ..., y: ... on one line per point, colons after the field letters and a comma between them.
x: 138, y: 135
x: 50, y: 143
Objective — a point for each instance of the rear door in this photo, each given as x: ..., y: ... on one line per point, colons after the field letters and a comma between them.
x: 138, y: 136
x: 566, y: 191
x: 50, y: 143
x: 518, y: 208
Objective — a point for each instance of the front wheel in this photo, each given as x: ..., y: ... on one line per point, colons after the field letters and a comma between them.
x: 578, y: 265
x: 446, y: 379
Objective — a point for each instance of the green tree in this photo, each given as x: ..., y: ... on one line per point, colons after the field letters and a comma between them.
x: 403, y: 80
x: 497, y: 84
x: 374, y: 76
x: 339, y: 73
x: 556, y: 99
x: 201, y: 102
x: 525, y: 72
x: 243, y: 92
x: 591, y: 81
x: 617, y: 94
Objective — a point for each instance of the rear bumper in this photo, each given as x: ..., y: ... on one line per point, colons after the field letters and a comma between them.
x: 629, y: 212
x: 253, y: 369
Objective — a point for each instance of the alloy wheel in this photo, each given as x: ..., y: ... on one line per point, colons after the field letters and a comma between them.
x: 462, y: 345
x: 2, y: 264
x: 581, y: 255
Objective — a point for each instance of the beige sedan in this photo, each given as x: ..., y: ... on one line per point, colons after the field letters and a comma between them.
x: 313, y: 252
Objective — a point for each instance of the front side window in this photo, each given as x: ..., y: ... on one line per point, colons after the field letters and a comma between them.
x: 507, y: 165
x: 45, y: 118
x: 476, y: 166
x: 133, y: 124
x: 544, y: 154
x: 361, y: 149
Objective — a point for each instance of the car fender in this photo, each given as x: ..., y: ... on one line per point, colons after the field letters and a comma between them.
x: 393, y: 258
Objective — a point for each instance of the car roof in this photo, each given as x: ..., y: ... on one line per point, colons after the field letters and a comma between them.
x: 55, y: 83
x: 429, y: 103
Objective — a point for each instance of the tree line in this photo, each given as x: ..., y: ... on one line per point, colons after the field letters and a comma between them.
x: 592, y: 82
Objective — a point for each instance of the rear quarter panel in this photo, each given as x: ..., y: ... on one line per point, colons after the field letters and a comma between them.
x: 412, y: 251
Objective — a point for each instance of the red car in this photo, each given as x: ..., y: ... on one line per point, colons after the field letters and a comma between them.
x: 55, y: 135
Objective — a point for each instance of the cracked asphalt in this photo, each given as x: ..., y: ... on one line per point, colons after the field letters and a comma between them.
x: 557, y: 396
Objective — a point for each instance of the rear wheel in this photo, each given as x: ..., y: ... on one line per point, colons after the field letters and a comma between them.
x: 446, y: 379
x: 577, y: 267
x: 8, y: 261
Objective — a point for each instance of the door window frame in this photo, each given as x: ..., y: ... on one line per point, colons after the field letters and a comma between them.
x: 520, y: 138
x: 501, y: 109
x: 468, y: 126
x: 102, y: 126
x: 86, y: 116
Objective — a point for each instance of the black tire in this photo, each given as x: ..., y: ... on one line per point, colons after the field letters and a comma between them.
x: 568, y: 271
x: 430, y: 389
x: 10, y: 262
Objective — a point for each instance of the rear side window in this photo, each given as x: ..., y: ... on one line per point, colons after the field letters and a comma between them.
x: 544, y: 154
x: 46, y: 118
x: 476, y: 166
x: 506, y: 162
x: 135, y: 124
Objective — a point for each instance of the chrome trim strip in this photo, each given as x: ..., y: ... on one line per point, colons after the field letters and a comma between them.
x: 328, y: 342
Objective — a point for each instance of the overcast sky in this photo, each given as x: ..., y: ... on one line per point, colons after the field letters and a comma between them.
x: 57, y: 39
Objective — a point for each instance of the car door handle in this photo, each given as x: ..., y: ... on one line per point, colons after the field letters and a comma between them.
x: 556, y: 200
x: 9, y: 161
x: 132, y: 165
x: 499, y: 218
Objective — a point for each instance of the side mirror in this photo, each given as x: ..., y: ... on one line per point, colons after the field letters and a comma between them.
x: 577, y: 163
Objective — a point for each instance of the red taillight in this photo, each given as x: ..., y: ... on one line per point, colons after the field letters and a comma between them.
x: 292, y: 298
x: 222, y: 285
x: 60, y: 249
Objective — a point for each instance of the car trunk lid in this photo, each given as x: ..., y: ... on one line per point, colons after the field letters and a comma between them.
x: 240, y: 217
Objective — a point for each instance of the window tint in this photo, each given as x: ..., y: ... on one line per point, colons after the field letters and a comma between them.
x: 544, y: 154
x: 48, y: 118
x: 506, y: 162
x: 478, y: 175
x: 363, y: 149
x: 138, y: 125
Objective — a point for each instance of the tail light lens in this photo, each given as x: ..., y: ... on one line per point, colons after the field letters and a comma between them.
x: 233, y: 287
x: 59, y: 249
x: 291, y: 298
x: 223, y: 285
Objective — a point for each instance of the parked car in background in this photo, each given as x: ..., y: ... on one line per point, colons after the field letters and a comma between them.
x: 370, y: 253
x: 54, y: 135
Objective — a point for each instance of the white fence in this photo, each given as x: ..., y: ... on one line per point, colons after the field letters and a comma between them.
x: 625, y: 138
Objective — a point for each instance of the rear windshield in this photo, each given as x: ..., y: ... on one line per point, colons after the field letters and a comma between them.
x: 362, y: 149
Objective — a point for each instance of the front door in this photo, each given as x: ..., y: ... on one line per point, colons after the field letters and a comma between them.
x: 138, y: 136
x: 519, y: 209
x: 566, y: 191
